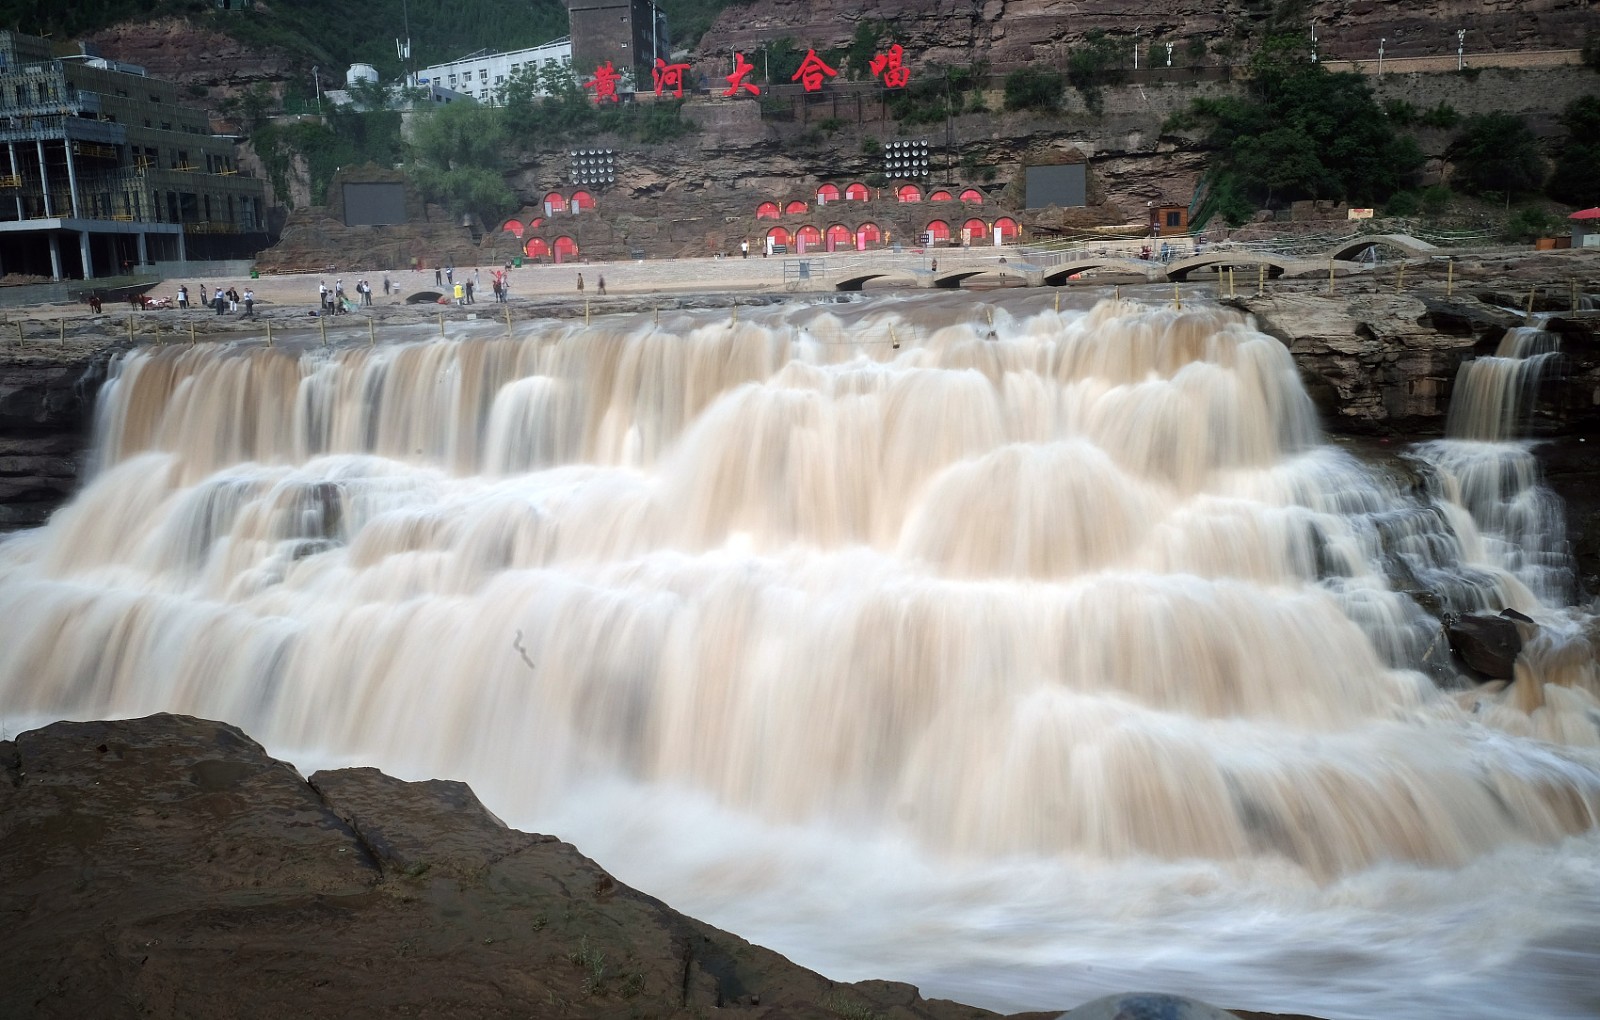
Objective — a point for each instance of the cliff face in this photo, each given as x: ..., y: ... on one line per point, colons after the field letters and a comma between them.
x: 47, y: 397
x: 1010, y: 33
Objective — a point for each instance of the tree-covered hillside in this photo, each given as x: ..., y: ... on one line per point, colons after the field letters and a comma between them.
x: 340, y: 32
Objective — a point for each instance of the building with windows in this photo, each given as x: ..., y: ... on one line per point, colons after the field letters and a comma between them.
x: 631, y: 34
x: 102, y: 169
x: 481, y: 75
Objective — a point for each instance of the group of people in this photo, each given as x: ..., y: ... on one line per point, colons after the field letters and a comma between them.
x: 221, y: 301
x: 600, y: 284
x: 334, y: 301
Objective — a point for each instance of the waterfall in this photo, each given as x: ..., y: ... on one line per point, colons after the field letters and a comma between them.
x: 910, y: 652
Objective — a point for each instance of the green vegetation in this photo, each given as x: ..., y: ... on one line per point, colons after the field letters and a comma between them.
x: 1530, y: 223
x: 1575, y: 175
x: 1300, y: 131
x: 1034, y: 88
x: 936, y: 93
x: 1496, y: 153
x: 1094, y: 63
x: 347, y: 139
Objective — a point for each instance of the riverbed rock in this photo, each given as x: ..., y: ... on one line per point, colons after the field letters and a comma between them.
x: 1489, y: 645
x: 168, y: 867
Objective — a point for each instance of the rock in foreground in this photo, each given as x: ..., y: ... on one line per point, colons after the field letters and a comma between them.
x: 168, y: 867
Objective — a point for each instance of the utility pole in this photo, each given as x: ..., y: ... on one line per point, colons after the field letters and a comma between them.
x: 316, y: 87
x: 1380, y: 56
x: 1461, y: 48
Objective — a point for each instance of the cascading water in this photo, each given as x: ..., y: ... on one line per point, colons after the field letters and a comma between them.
x: 1023, y: 669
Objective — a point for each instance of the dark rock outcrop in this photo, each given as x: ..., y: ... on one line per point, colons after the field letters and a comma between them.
x: 168, y: 867
x: 1489, y: 645
x: 47, y: 398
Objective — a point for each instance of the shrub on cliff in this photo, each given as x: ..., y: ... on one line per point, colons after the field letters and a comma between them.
x: 1299, y: 131
x: 1575, y: 177
x: 1496, y: 153
x: 1034, y: 88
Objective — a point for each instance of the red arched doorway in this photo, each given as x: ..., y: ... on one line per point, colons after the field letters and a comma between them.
x: 972, y: 195
x: 554, y: 202
x: 837, y: 237
x: 807, y: 238
x: 513, y: 227
x: 767, y: 211
x: 974, y: 231
x: 534, y: 223
x: 940, y: 196
x: 582, y: 200
x: 937, y: 232
x: 827, y: 193
x: 536, y: 248
x: 775, y: 237
x: 908, y: 193
x: 857, y: 193
x: 868, y: 233
x: 796, y: 208
x: 1006, y: 228
x: 565, y: 249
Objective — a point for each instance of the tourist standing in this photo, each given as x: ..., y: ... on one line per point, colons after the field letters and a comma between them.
x: 600, y: 285
x: 471, y: 300
x: 460, y: 294
x: 580, y: 283
x: 322, y: 296
x: 183, y: 296
x: 218, y: 301
x: 438, y: 277
x: 249, y: 303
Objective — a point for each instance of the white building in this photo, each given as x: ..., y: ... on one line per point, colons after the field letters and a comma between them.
x: 481, y: 75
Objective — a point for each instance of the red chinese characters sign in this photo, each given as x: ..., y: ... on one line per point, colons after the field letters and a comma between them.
x: 604, y: 82
x: 891, y: 67
x: 669, y: 76
x: 736, y: 82
x: 813, y: 72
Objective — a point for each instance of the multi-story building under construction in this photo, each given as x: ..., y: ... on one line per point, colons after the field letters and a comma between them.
x: 103, y: 170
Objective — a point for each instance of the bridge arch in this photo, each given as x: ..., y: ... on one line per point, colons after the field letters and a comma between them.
x: 1179, y: 269
x: 1405, y: 244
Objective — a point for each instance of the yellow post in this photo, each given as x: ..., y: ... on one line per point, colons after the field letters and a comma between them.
x: 585, y: 311
x: 508, y: 319
x: 62, y: 337
x: 372, y: 333
x: 1400, y: 279
x: 896, y: 340
x: 1177, y: 296
x: 191, y: 334
x: 441, y: 324
x: 1058, y: 306
x: 658, y: 315
x: 269, y: 334
x: 1261, y: 279
x: 1231, y: 292
x: 20, y: 337
x: 1330, y: 276
x: 1531, y: 292
x: 1574, y: 295
x: 130, y: 328
x: 1449, y: 276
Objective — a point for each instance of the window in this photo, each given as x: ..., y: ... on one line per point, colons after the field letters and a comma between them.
x: 452, y: 79
x: 1172, y: 219
x: 483, y: 74
x: 499, y: 79
x: 155, y: 97
x: 166, y: 125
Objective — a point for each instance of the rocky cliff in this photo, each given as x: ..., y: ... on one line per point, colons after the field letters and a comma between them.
x: 1011, y: 33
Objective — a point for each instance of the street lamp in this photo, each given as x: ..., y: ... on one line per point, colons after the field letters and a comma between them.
x: 1169, y: 54
x: 316, y: 87
x: 1461, y: 48
x: 1313, y: 41
x: 1380, y: 56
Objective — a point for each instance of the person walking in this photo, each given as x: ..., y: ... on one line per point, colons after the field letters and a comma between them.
x: 183, y: 295
x: 600, y: 284
x: 580, y: 283
x: 386, y: 285
x: 744, y: 249
x: 438, y: 277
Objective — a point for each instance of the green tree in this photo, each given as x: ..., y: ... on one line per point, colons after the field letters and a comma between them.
x: 1496, y: 153
x: 1575, y: 175
x: 1034, y: 88
x: 459, y: 155
x: 1300, y: 131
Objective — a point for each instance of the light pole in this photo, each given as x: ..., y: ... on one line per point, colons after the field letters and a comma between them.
x: 1169, y: 54
x: 316, y: 87
x: 1380, y: 56
x: 1313, y: 41
x: 1461, y: 48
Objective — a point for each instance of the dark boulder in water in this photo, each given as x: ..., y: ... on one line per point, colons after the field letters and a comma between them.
x: 1488, y: 645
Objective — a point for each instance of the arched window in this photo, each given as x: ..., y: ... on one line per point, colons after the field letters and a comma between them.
x: 908, y: 193
x: 767, y: 211
x: 514, y: 227
x: 795, y: 209
x: 582, y: 200
x: 535, y: 222
x: 807, y: 238
x: 857, y: 193
x: 975, y: 231
x: 827, y: 193
x: 536, y: 248
x: 937, y: 231
x: 940, y: 196
x: 555, y: 202
x: 838, y: 237
x: 972, y: 195
x: 1006, y: 227
x: 777, y: 235
x: 868, y: 233
x: 566, y: 249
